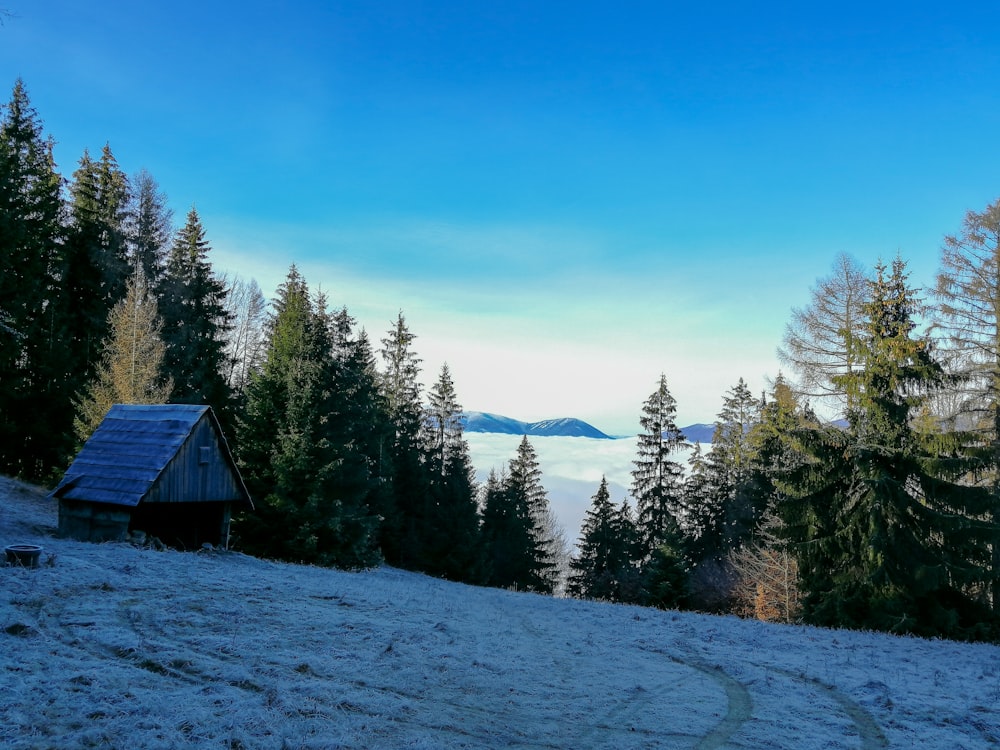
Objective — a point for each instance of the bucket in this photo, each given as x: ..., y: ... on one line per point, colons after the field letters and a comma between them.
x: 24, y: 555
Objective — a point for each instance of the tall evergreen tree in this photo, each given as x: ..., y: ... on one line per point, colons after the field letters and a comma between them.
x: 452, y: 537
x: 657, y: 479
x: 525, y: 558
x: 150, y: 227
x: 404, y: 530
x: 33, y: 399
x: 130, y: 371
x: 888, y: 538
x: 310, y: 490
x: 767, y: 571
x: 195, y: 321
x: 729, y: 508
x: 94, y: 268
x: 603, y: 567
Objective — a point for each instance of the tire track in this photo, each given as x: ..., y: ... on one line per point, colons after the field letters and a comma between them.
x: 871, y: 734
x: 738, y: 713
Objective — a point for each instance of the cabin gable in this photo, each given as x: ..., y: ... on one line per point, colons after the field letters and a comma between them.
x: 198, y: 471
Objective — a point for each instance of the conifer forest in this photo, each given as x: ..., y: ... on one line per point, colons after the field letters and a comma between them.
x: 886, y: 518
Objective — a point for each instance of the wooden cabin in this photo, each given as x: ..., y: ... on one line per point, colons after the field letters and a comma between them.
x: 163, y: 469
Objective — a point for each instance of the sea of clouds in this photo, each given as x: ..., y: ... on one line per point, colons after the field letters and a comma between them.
x: 571, y: 467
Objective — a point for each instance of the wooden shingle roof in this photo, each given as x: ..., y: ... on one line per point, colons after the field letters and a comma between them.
x: 131, y: 448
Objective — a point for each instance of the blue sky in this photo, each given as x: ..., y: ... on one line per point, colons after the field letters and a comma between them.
x: 564, y: 199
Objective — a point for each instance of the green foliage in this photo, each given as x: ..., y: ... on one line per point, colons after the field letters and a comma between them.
x: 886, y: 535
x: 311, y: 482
x: 514, y: 530
x: 657, y: 479
x: 35, y: 410
x: 725, y: 503
x: 404, y: 530
x: 665, y: 579
x: 195, y: 322
x: 452, y: 541
x: 150, y: 227
x: 604, y: 567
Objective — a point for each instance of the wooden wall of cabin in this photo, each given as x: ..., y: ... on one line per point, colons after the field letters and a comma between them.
x: 93, y: 522
x: 198, y: 472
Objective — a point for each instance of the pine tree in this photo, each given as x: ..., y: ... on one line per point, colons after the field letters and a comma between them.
x: 195, y: 321
x: 350, y: 402
x: 521, y: 553
x: 887, y: 536
x: 657, y: 479
x: 452, y: 536
x: 94, y: 269
x: 729, y: 506
x: 496, y: 532
x: 33, y: 396
x: 603, y: 567
x: 310, y: 486
x: 404, y: 529
x: 766, y: 569
x: 150, y: 227
x: 367, y: 428
x: 130, y: 371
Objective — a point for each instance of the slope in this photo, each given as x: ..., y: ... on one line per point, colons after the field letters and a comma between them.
x: 116, y: 646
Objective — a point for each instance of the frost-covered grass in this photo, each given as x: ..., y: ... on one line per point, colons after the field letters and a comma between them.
x: 117, y: 647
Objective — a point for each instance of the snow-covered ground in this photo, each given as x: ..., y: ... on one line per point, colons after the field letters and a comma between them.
x: 117, y: 647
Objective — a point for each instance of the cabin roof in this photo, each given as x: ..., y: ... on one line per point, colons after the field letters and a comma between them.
x: 131, y: 448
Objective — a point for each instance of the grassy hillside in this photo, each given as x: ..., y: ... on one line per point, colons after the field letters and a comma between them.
x: 114, y: 646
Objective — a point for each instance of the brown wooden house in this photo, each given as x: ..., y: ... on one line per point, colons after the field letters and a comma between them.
x: 162, y: 469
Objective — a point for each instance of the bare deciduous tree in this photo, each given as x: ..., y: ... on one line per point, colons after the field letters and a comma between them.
x: 967, y: 313
x: 819, y: 341
x: 767, y: 578
x: 246, y: 341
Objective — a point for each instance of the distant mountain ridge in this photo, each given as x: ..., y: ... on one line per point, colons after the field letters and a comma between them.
x: 478, y: 421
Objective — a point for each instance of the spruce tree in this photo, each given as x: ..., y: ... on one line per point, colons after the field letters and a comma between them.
x: 452, y: 537
x: 150, y: 227
x: 888, y: 536
x: 310, y: 487
x: 34, y: 399
x: 603, y: 567
x: 766, y: 569
x: 94, y: 268
x: 657, y: 479
x: 520, y: 551
x: 404, y: 530
x: 195, y: 321
x: 729, y: 506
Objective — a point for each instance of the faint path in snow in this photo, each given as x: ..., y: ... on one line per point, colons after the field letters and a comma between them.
x: 739, y: 711
x: 872, y: 737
